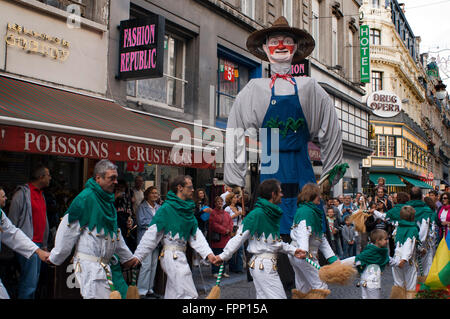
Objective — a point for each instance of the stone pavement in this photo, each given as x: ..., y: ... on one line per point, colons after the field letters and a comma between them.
x: 237, y: 286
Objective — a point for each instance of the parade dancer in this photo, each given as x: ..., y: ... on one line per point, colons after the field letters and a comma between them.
x: 424, y: 217
x: 16, y: 240
x: 405, y: 271
x: 307, y: 234
x: 297, y: 107
x: 261, y: 227
x: 175, y: 225
x: 90, y: 225
x: 371, y: 262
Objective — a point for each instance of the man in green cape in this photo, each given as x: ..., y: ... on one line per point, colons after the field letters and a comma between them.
x: 90, y: 225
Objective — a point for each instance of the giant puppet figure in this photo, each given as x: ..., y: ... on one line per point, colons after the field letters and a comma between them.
x: 297, y: 106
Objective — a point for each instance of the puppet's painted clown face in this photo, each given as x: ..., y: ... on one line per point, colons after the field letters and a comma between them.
x: 280, y: 48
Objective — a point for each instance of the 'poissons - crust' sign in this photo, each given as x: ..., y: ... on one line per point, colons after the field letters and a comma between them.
x: 384, y: 103
x: 142, y: 48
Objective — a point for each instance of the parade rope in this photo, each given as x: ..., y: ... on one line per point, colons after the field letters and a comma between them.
x: 114, y: 293
x: 215, y: 291
x: 132, y: 292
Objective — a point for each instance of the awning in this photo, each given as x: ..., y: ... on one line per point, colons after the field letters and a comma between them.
x: 391, y: 179
x: 40, y: 119
x: 416, y: 182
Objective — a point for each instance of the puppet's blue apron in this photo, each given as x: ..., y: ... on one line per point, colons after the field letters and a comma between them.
x: 295, y: 169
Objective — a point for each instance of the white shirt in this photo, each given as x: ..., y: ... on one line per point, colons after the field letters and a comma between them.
x: 138, y: 197
x: 224, y: 196
x: 237, y: 220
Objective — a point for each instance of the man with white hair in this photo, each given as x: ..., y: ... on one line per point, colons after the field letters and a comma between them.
x: 90, y: 225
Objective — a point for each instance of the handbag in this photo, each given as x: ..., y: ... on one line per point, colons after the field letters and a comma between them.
x: 215, y: 237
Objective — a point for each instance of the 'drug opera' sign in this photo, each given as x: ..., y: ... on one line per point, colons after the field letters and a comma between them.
x: 384, y: 103
x: 141, y: 53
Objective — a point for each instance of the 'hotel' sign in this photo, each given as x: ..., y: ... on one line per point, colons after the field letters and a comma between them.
x: 142, y: 48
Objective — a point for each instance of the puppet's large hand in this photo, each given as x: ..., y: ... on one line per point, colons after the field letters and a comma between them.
x: 325, y: 189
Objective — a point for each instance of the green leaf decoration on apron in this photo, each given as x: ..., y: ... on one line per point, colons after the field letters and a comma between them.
x: 291, y: 124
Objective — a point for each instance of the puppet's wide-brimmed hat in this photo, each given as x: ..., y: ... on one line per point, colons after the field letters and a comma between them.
x: 304, y: 40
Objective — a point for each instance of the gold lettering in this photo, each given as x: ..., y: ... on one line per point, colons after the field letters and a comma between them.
x: 28, y: 32
x: 11, y: 27
x: 63, y: 55
x: 10, y: 39
x: 56, y: 40
x: 44, y: 49
x: 65, y: 43
x: 33, y: 47
x: 21, y: 42
x: 53, y: 52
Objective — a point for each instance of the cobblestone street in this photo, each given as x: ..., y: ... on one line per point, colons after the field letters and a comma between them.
x: 237, y: 286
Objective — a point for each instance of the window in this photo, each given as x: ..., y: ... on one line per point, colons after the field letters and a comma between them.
x: 232, y: 77
x: 86, y: 8
x: 353, y: 122
x: 334, y: 41
x: 376, y: 3
x: 391, y: 146
x: 375, y: 36
x: 381, y: 145
x: 315, y: 25
x: 248, y: 8
x: 169, y: 89
x: 350, y: 55
x: 377, y: 81
x: 374, y: 146
x: 287, y: 11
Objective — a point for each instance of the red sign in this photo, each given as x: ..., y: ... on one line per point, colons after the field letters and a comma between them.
x: 20, y: 139
x: 137, y: 167
x: 229, y: 73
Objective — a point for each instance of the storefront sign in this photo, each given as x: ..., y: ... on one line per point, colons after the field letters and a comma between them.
x: 301, y: 69
x: 229, y: 73
x: 142, y: 48
x: 364, y: 40
x: 36, y: 42
x: 384, y: 103
x: 19, y: 139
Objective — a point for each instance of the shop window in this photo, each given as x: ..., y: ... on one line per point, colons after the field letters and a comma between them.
x: 233, y: 73
x: 353, y: 122
x: 374, y: 146
x: 168, y: 90
x: 349, y: 185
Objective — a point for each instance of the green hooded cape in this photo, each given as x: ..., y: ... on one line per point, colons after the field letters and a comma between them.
x: 94, y: 208
x: 405, y: 230
x: 263, y: 219
x: 176, y: 216
x: 372, y: 255
x: 313, y: 216
x: 422, y: 210
x: 394, y: 213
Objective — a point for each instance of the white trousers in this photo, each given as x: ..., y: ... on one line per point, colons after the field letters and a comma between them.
x: 3, y: 292
x: 405, y: 277
x: 306, y: 276
x: 147, y: 273
x: 180, y: 284
x: 370, y: 293
x: 267, y: 281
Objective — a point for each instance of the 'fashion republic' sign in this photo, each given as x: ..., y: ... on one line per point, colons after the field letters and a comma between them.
x: 384, y: 103
x: 142, y: 48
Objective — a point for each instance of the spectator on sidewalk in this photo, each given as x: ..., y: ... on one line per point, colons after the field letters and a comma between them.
x: 16, y: 240
x: 28, y: 212
x: 349, y: 238
x: 235, y: 213
x: 347, y: 207
x: 137, y: 194
x: 220, y: 229
x: 146, y: 211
